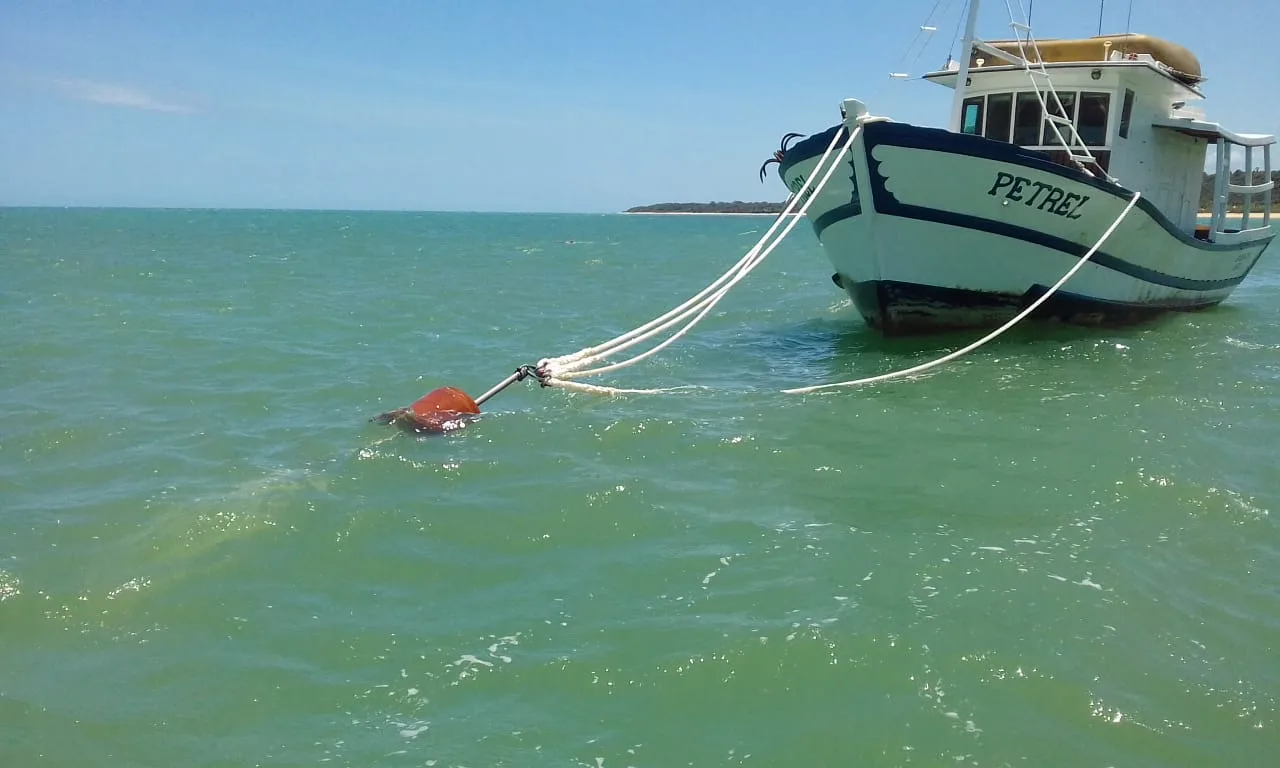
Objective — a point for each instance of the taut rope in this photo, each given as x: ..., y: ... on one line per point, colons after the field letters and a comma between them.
x: 558, y: 371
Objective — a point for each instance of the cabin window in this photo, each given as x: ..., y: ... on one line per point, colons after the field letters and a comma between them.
x: 1020, y: 119
x: 971, y: 116
x: 1092, y: 122
x: 1068, y: 101
x: 1126, y: 112
x: 1026, y: 119
x: 999, y: 116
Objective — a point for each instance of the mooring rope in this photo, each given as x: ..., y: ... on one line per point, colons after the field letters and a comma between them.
x: 557, y: 371
x: 990, y: 336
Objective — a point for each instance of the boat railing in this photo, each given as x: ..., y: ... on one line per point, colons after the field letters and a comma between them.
x: 1251, y: 193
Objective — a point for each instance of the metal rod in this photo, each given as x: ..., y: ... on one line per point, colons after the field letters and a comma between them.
x: 966, y: 53
x: 1101, y: 6
x: 512, y: 379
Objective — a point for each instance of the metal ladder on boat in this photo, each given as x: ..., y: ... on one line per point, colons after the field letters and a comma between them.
x: 1055, y: 113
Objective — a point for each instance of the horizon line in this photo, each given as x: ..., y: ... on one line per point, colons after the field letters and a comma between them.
x: 296, y: 209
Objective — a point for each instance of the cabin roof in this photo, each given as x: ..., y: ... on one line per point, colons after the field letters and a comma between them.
x: 1180, y: 61
x: 1181, y: 88
x: 1203, y: 129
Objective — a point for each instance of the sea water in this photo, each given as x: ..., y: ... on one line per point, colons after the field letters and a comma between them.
x: 1061, y: 550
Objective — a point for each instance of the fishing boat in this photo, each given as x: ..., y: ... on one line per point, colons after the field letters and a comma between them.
x: 932, y: 229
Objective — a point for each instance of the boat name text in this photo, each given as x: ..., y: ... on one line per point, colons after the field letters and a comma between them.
x: 796, y: 185
x: 1020, y: 189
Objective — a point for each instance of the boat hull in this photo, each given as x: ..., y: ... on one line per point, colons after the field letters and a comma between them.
x: 931, y: 231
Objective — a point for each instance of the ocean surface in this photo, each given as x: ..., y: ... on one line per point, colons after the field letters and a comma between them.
x: 1061, y: 550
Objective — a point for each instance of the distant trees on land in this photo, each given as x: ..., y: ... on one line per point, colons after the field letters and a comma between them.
x: 1235, y: 202
x: 737, y: 206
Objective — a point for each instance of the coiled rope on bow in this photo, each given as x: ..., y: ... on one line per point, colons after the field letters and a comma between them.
x: 559, y: 371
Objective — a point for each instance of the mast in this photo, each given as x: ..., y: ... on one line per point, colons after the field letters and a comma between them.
x: 966, y: 52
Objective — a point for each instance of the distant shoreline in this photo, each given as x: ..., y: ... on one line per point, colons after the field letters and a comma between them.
x: 693, y: 213
x: 757, y: 207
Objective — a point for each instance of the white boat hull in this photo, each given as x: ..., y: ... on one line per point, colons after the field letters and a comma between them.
x: 929, y: 230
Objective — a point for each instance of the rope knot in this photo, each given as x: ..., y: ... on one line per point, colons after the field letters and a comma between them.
x: 541, y: 372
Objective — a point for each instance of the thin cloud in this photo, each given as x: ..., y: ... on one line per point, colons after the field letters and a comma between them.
x: 112, y: 95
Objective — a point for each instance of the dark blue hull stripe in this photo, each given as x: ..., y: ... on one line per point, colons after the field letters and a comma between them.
x: 839, y: 213
x: 939, y: 140
x: 1101, y: 258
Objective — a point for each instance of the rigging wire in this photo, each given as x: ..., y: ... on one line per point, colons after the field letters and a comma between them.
x: 964, y: 9
x: 924, y: 28
x: 925, y: 47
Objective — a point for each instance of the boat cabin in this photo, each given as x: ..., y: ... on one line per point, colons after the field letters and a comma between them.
x: 1115, y: 106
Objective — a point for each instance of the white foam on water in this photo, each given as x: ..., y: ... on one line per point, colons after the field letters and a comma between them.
x: 1242, y: 344
x: 8, y: 586
x: 132, y: 585
x: 413, y: 730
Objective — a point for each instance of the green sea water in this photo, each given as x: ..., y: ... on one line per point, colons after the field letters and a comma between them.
x: 1061, y: 550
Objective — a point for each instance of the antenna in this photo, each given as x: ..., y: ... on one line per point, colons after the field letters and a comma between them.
x: 1101, y: 6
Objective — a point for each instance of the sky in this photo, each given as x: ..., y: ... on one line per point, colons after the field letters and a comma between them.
x: 500, y: 105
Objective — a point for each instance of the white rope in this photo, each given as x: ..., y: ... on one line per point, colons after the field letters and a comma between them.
x: 701, y: 310
x: 594, y: 389
x: 559, y: 369
x: 965, y: 350
x: 600, y: 351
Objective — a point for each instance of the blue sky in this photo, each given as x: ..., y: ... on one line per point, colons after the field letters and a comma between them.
x: 546, y: 105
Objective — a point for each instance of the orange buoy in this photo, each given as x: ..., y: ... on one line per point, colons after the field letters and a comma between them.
x: 439, y: 411
x: 444, y: 400
x: 449, y: 408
